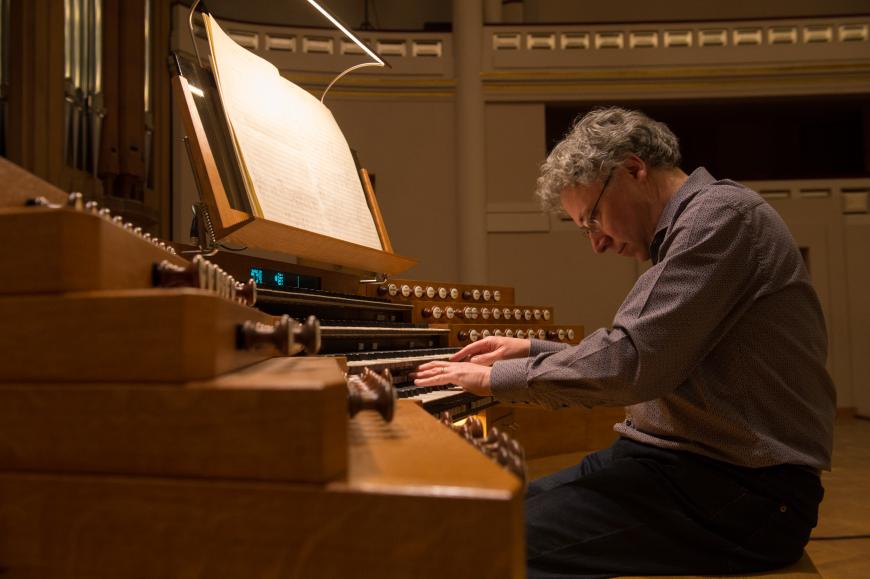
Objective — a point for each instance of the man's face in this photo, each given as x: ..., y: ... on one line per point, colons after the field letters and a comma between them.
x: 621, y: 219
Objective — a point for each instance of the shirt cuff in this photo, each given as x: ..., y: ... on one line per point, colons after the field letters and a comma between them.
x: 541, y: 346
x: 509, y: 380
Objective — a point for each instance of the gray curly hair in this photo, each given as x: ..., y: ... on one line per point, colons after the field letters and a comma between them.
x: 597, y: 143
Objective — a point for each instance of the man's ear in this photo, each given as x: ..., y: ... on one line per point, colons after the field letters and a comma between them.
x: 636, y: 167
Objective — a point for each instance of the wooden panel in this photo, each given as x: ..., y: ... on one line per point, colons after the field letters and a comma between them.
x: 282, y: 419
x: 273, y: 236
x: 18, y: 185
x: 36, y: 89
x: 110, y: 147
x: 61, y: 250
x: 372, y: 201
x: 161, y: 104
x: 148, y: 335
x: 205, y: 170
x: 544, y: 432
x: 130, y: 182
x: 418, y: 502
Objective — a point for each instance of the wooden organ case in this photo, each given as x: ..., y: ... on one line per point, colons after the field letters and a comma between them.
x: 154, y: 423
x: 164, y: 430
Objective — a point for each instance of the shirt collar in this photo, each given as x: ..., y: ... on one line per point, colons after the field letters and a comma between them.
x: 699, y: 179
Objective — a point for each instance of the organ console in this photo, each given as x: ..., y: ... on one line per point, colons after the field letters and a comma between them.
x: 146, y: 406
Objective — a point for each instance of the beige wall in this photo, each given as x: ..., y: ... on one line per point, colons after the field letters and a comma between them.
x: 408, y: 145
x: 818, y: 224
x: 857, y: 242
x: 674, y: 10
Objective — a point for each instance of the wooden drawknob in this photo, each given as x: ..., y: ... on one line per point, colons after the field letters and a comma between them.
x: 247, y: 292
x: 286, y: 335
x: 167, y: 274
x: 252, y: 335
x: 307, y: 335
x: 371, y: 391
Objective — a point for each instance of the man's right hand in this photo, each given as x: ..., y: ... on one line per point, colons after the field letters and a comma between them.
x: 492, y: 349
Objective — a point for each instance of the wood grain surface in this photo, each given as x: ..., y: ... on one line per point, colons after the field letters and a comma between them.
x: 418, y: 502
x: 64, y: 250
x: 153, y: 335
x: 281, y: 419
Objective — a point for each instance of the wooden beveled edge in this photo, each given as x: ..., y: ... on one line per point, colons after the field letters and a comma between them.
x: 271, y: 235
x: 376, y: 210
x: 437, y: 491
x: 18, y: 184
x: 224, y: 218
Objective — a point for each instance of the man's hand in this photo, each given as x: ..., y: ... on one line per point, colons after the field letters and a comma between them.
x: 471, y: 377
x: 492, y: 349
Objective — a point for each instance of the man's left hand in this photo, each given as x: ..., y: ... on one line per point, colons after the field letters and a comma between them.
x: 471, y: 377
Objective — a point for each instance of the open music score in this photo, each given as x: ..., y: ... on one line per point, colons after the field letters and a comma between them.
x: 297, y: 166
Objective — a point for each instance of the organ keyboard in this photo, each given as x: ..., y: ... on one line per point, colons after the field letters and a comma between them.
x: 377, y: 330
x: 378, y: 334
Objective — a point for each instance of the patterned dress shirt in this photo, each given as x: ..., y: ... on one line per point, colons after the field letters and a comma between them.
x: 718, y: 349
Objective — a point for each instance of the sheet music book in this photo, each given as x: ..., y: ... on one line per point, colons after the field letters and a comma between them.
x: 297, y: 166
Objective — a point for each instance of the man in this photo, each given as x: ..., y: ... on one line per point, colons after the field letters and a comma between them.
x: 718, y: 354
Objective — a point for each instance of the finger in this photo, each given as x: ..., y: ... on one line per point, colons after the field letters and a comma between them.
x: 484, y: 359
x: 428, y: 372
x: 470, y: 350
x: 488, y: 358
x: 432, y: 364
x: 432, y: 380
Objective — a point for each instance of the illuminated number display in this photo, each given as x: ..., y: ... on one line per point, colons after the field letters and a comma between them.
x: 274, y: 279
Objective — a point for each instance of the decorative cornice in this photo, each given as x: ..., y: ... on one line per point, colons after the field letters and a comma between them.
x: 580, y: 62
x: 686, y: 81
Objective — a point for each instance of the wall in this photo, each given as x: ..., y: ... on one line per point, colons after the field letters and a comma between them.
x: 404, y: 15
x: 813, y: 211
x: 857, y: 241
x: 407, y: 144
x: 383, y: 14
x: 675, y: 10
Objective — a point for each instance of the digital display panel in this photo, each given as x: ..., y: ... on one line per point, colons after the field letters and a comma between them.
x: 282, y: 280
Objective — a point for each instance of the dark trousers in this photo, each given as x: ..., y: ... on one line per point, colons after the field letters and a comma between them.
x: 636, y: 509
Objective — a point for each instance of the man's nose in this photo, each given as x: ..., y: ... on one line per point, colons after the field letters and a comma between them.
x: 600, y: 242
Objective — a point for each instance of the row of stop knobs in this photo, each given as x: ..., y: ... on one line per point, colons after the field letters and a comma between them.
x: 431, y: 292
x: 203, y: 274
x: 77, y: 201
x: 560, y: 334
x: 473, y: 313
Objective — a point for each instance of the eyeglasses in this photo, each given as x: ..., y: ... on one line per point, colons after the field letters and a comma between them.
x: 593, y: 225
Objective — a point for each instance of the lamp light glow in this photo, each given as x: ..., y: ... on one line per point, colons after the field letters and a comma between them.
x: 347, y: 32
x: 378, y: 61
